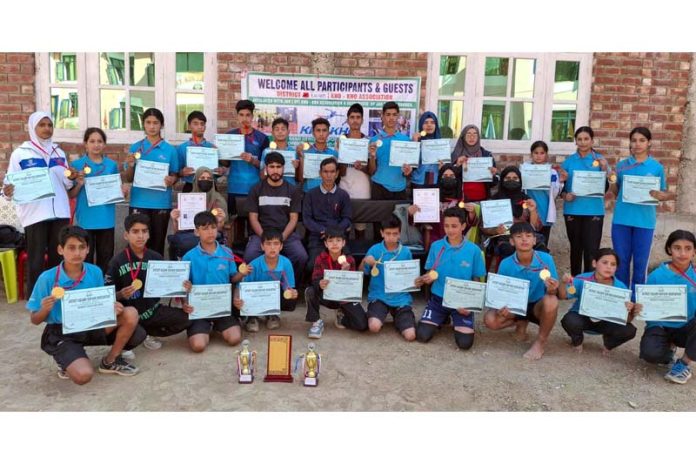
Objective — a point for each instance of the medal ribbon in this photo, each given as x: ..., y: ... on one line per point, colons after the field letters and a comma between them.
x: 130, y: 262
x: 683, y: 274
x: 75, y: 283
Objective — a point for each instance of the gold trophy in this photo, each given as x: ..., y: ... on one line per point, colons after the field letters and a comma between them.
x: 246, y: 361
x: 311, y: 366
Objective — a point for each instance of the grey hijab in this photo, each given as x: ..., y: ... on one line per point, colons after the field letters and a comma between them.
x: 461, y: 148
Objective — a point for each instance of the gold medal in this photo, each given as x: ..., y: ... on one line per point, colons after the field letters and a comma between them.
x: 378, y: 143
x: 461, y: 204
x: 87, y: 170
x: 374, y: 272
x: 67, y: 173
x: 423, y: 133
x: 137, y: 284
x: 595, y: 163
x: 305, y: 146
x: 525, y: 205
x: 273, y: 145
x: 243, y: 268
x: 58, y: 292
x: 137, y: 155
x: 341, y: 260
x: 343, y: 136
x: 433, y: 274
x: 544, y: 274
x: 214, y: 212
x: 612, y: 179
x: 287, y: 294
x: 572, y: 290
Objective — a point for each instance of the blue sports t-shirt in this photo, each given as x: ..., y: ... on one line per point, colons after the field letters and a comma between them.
x: 242, y: 175
x: 665, y: 275
x: 309, y: 184
x: 211, y: 269
x: 162, y: 152
x: 582, y: 206
x: 464, y: 262
x: 541, y: 198
x: 630, y: 214
x: 376, y: 289
x: 578, y: 283
x: 93, y: 278
x: 290, y: 179
x: 283, y: 272
x: 389, y: 177
x: 94, y: 217
x: 181, y: 152
x: 511, y: 267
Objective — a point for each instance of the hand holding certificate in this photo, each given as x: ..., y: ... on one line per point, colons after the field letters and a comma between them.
x: 289, y: 156
x: 604, y: 302
x: 636, y: 189
x: 400, y: 276
x: 507, y: 292
x: 662, y: 303
x: 260, y: 298
x: 589, y: 183
x: 166, y: 278
x: 402, y: 152
x: 198, y: 157
x: 477, y: 169
x: 103, y: 190
x: 190, y: 204
x: 496, y: 212
x: 150, y: 175
x: 89, y: 309
x: 312, y: 165
x: 343, y: 286
x: 428, y: 200
x: 466, y: 294
x: 31, y: 184
x: 209, y: 301
x: 536, y: 176
x: 435, y: 150
x: 352, y: 150
x: 230, y: 146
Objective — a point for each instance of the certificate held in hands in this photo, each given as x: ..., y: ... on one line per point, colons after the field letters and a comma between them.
x: 209, y: 301
x: 260, y: 298
x: 400, y: 276
x: 343, y: 286
x: 496, y: 212
x: 636, y: 189
x: 166, y: 278
x: 312, y: 165
x: 352, y: 150
x: 402, y: 152
x: 89, y: 309
x: 289, y: 156
x: 662, y: 303
x: 589, y: 183
x: 428, y: 200
x: 435, y: 150
x: 536, y: 176
x: 150, y: 175
x: 190, y: 204
x: 199, y: 157
x: 230, y: 146
x: 464, y: 294
x: 503, y: 291
x: 103, y: 190
x: 31, y: 184
x: 477, y: 169
x: 604, y: 302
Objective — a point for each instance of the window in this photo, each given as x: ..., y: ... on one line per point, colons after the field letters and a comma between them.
x: 514, y: 98
x: 112, y: 90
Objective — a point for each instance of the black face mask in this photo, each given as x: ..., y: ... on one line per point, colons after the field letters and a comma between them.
x: 512, y: 185
x: 449, y: 186
x: 205, y: 185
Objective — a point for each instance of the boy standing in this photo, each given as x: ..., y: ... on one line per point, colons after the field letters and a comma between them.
x: 196, y: 124
x: 388, y: 182
x: 279, y: 131
x: 320, y: 131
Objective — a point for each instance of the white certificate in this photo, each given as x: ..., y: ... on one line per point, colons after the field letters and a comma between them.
x: 230, y: 146
x: 402, y: 152
x: 604, y: 302
x: 435, y: 150
x: 312, y: 165
x: 352, y: 150
x: 343, y: 285
x: 166, y: 278
x: 89, y: 309
x: 260, y: 298
x: 190, y: 204
x: 477, y: 169
x: 399, y: 276
x: 507, y: 291
x: 201, y: 157
x: 31, y: 185
x: 466, y: 294
x: 589, y: 183
x: 536, y: 176
x: 103, y: 190
x: 210, y: 301
x: 150, y: 175
x: 662, y: 303
x: 496, y: 212
x: 289, y: 155
x: 636, y: 189
x: 428, y: 200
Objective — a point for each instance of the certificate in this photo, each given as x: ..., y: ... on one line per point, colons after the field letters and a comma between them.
x: 502, y: 291
x: 402, y: 152
x: 589, y: 183
x: 289, y: 155
x: 428, y: 200
x: 435, y: 150
x: 89, y: 309
x: 190, y: 204
x: 201, y: 157
x: 496, y: 212
x: 352, y: 150
x: 103, y: 190
x: 604, y: 302
x: 536, y: 176
x: 662, y: 303
x: 343, y: 285
x: 166, y: 278
x: 399, y: 276
x: 464, y: 294
x: 477, y: 169
x: 31, y: 184
x: 210, y: 301
x: 230, y: 146
x: 260, y: 298
x: 150, y: 175
x: 311, y: 165
x: 636, y: 189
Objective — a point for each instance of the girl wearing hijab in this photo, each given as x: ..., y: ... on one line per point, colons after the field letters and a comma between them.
x: 469, y: 146
x: 42, y: 219
x: 425, y: 174
x: 204, y: 183
x: 524, y: 209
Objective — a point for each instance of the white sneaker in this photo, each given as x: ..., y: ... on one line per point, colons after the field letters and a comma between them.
x: 128, y: 354
x: 151, y: 343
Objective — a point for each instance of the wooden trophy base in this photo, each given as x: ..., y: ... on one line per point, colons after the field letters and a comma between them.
x: 278, y: 378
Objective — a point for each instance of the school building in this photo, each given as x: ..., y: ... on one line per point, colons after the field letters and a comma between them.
x: 515, y: 98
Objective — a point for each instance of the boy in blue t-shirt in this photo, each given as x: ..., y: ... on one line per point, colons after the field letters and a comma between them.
x: 45, y: 306
x: 267, y: 267
x: 279, y: 131
x: 452, y: 256
x: 381, y: 303
x: 320, y: 132
x: 542, y: 303
x: 211, y: 264
x: 196, y: 125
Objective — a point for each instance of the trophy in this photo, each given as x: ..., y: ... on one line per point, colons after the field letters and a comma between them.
x: 246, y: 361
x: 311, y: 364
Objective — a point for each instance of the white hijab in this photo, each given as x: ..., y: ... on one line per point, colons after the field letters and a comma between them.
x: 34, y: 119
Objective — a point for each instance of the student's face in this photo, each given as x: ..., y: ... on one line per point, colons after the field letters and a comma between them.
x: 334, y: 244
x: 329, y: 173
x: 197, y: 127
x: 391, y: 236
x: 429, y: 126
x: 389, y: 118
x: 639, y: 144
x: 205, y: 175
x: 272, y: 248
x: 207, y: 233
x: 583, y: 141
x: 321, y: 133
x: 44, y: 129
x: 448, y: 174
x: 280, y: 132
x: 682, y: 252
x: 355, y: 121
x: 74, y: 251
x: 95, y: 144
x: 152, y: 126
x: 511, y: 176
x: 471, y: 137
x: 524, y: 241
x: 453, y: 228
x: 245, y: 117
x: 137, y: 236
x: 605, y: 266
x: 539, y: 155
x: 274, y: 171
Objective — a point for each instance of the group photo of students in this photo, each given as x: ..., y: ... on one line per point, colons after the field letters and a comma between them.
x: 275, y: 223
